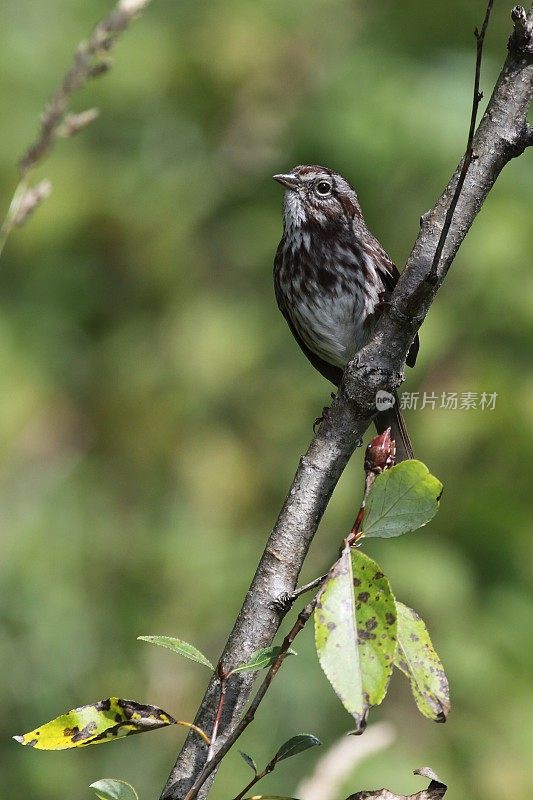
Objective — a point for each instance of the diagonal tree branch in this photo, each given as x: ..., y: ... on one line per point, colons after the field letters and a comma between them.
x: 503, y: 134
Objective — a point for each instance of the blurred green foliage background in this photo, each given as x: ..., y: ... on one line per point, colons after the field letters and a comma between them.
x: 154, y: 405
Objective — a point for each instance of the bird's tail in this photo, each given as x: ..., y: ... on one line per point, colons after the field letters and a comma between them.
x: 392, y: 418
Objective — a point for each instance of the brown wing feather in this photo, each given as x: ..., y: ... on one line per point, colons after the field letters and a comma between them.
x: 390, y: 277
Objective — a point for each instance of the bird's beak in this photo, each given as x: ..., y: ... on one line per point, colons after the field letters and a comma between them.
x: 288, y: 180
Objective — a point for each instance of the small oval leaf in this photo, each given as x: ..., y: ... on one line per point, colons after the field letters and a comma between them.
x: 110, y: 789
x: 401, y: 499
x: 261, y: 659
x: 296, y: 744
x: 178, y: 646
x: 99, y: 722
x: 416, y: 658
x: 249, y: 760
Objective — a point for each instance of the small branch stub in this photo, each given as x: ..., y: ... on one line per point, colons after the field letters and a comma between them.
x: 522, y: 37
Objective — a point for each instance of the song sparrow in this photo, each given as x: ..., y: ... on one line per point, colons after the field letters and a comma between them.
x: 331, y: 278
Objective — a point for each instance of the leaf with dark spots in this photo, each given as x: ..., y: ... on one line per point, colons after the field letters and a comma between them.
x: 337, y: 647
x: 104, y: 721
x: 401, y: 499
x: 354, y: 637
x: 417, y: 659
x: 365, y: 635
x: 85, y: 733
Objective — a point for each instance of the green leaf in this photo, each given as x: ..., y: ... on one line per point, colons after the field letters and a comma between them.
x: 99, y: 722
x: 110, y: 789
x: 355, y: 632
x: 416, y: 658
x: 296, y: 744
x: 178, y: 646
x: 249, y: 760
x: 401, y: 499
x: 261, y: 659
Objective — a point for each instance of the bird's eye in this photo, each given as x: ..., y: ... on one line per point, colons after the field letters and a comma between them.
x: 323, y: 188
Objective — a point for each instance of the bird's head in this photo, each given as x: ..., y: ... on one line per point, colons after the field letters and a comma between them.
x: 317, y: 196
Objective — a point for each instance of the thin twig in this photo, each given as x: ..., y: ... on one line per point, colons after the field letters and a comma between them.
x: 255, y: 779
x: 248, y: 717
x: 380, y: 455
x: 88, y: 62
x: 469, y: 156
x: 223, y: 677
x: 307, y: 587
x: 258, y: 777
x: 285, y: 601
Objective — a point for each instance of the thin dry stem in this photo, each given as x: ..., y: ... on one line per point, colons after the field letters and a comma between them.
x: 248, y: 717
x: 469, y: 153
x: 89, y: 61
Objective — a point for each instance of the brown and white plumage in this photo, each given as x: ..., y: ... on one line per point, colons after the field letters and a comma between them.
x: 331, y: 275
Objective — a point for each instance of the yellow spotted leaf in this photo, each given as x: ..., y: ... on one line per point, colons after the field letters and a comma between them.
x: 95, y: 723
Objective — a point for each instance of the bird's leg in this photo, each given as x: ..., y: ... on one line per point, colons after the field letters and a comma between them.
x: 383, y: 303
x: 324, y: 416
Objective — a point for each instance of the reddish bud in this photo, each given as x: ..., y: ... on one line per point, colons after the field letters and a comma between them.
x: 380, y: 453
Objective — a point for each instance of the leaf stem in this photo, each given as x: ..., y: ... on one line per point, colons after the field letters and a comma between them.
x: 222, y: 696
x: 195, y: 728
x: 260, y: 775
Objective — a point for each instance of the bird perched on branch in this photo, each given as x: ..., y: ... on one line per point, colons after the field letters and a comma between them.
x: 332, y: 277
